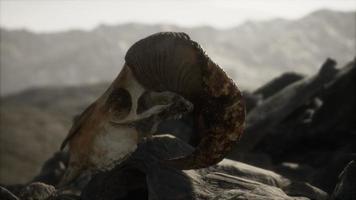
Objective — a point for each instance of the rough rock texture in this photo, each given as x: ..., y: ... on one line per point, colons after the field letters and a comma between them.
x: 273, y: 110
x: 277, y: 84
x: 308, y: 154
x: 227, y: 180
x: 346, y: 188
x: 7, y: 195
x: 144, y: 176
x: 320, y: 134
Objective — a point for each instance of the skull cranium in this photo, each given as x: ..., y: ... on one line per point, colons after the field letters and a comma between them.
x: 165, y: 75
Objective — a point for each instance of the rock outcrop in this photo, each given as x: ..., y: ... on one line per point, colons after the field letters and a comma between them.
x: 307, y: 152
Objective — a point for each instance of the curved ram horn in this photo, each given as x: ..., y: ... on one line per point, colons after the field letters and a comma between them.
x: 173, y: 62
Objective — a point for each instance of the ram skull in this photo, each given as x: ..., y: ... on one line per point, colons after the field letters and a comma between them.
x: 166, y: 75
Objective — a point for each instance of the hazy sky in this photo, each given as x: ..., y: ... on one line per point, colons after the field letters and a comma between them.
x: 59, y: 15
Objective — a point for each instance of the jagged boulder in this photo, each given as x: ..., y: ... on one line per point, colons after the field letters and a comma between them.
x: 144, y: 177
x: 345, y: 189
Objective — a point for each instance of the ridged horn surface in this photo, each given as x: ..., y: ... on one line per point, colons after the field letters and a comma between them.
x: 173, y: 62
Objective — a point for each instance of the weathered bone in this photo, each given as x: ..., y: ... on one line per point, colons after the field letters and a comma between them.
x: 108, y: 131
x: 163, y: 74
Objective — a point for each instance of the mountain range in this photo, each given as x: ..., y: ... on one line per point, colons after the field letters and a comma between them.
x: 251, y: 53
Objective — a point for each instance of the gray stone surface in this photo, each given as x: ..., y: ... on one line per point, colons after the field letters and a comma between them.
x: 144, y: 175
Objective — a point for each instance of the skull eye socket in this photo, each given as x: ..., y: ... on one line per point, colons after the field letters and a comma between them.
x: 119, y: 103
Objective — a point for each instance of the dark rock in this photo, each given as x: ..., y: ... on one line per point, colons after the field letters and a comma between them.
x: 325, y: 177
x: 53, y: 169
x: 258, y: 159
x: 7, y: 195
x: 272, y: 111
x: 144, y: 176
x: 294, y: 171
x: 305, y: 189
x: 14, y: 189
x: 143, y: 172
x: 346, y: 187
x: 251, y: 100
x: 325, y: 141
x: 277, y: 84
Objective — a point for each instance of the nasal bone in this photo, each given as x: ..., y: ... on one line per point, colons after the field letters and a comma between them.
x: 69, y: 176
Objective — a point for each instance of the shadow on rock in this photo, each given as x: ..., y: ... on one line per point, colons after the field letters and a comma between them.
x: 143, y: 175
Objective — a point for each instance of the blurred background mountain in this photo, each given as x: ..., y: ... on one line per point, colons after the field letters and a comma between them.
x: 251, y: 53
x: 47, y: 78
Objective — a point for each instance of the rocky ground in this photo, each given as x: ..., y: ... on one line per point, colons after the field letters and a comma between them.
x: 299, y: 143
